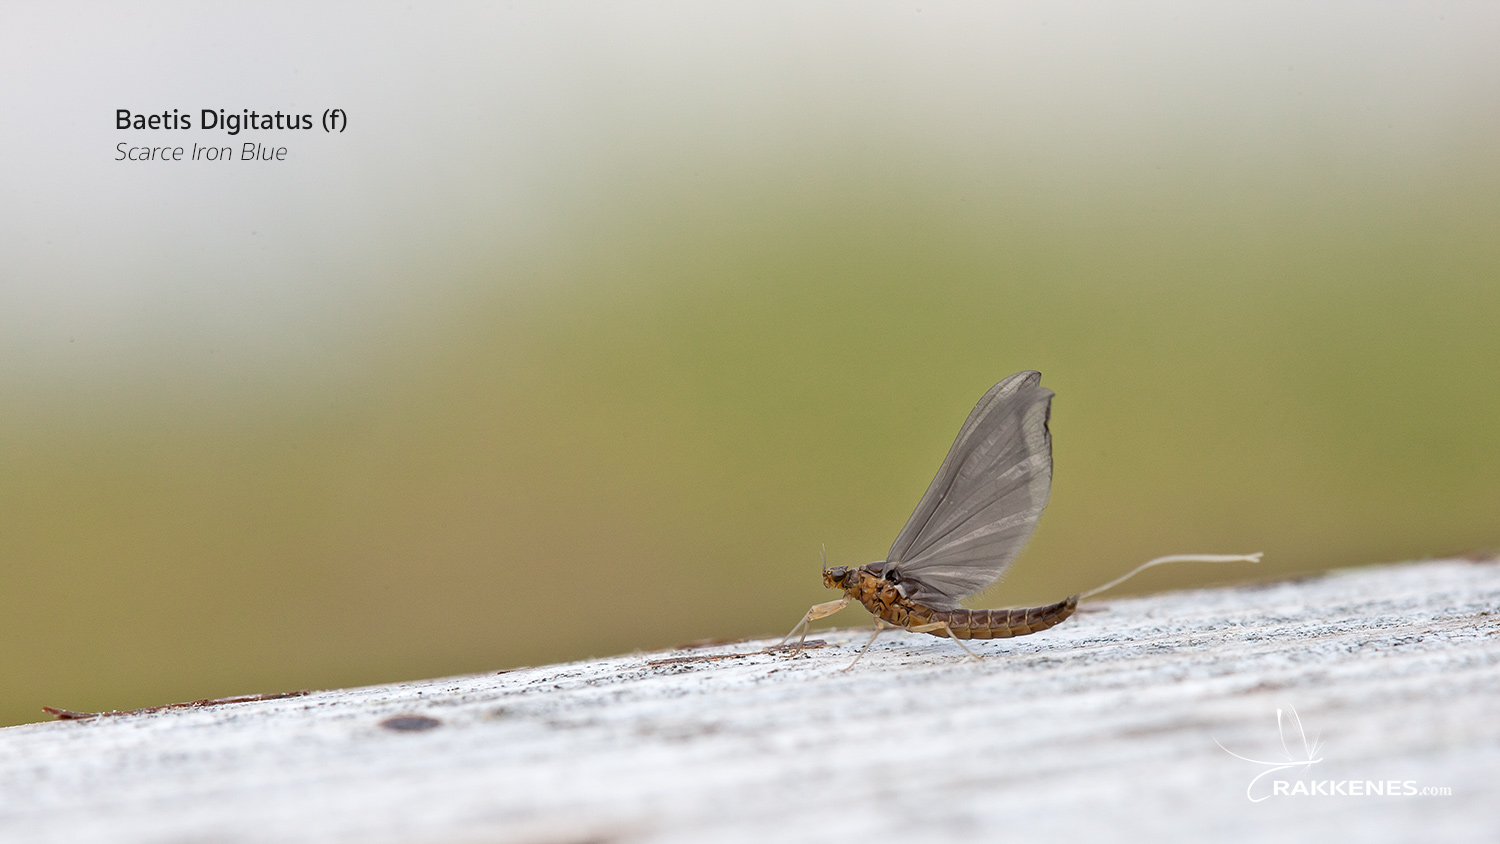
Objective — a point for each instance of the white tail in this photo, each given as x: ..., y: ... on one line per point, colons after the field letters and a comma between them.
x: 1176, y: 558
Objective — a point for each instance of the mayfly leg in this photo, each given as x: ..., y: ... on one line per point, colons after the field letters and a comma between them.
x: 943, y: 626
x: 815, y: 612
x: 879, y: 626
x: 920, y: 628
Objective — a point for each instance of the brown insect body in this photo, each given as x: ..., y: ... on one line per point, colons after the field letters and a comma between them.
x: 883, y: 598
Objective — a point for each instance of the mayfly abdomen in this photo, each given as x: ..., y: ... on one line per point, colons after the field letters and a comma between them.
x: 1002, y: 624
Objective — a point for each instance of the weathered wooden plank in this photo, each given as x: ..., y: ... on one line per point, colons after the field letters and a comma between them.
x: 1105, y: 728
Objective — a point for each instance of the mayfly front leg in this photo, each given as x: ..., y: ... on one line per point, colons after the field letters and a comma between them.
x: 814, y: 613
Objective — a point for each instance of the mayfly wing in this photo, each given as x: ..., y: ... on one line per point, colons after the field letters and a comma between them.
x: 986, y: 499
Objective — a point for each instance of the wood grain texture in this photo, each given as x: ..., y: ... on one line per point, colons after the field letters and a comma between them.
x: 1106, y: 728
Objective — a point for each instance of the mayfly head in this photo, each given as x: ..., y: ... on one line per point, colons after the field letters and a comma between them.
x: 836, y: 577
x: 833, y: 578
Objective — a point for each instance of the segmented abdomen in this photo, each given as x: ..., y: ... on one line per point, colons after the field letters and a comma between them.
x: 996, y: 624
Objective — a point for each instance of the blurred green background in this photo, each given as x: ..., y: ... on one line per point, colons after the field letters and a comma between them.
x: 602, y: 367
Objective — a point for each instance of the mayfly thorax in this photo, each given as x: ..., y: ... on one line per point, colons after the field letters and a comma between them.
x: 970, y: 524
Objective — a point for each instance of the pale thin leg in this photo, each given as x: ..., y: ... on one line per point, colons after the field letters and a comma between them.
x: 879, y: 626
x: 814, y: 613
x: 943, y: 626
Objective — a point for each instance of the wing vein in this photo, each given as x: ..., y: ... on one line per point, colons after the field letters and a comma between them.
x: 985, y: 501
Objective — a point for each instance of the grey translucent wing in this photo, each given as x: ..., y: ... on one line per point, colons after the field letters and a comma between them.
x: 986, y: 499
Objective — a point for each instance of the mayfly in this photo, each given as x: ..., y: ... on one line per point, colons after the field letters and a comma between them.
x: 973, y: 520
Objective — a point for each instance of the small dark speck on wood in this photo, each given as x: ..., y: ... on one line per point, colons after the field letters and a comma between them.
x: 410, y: 723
